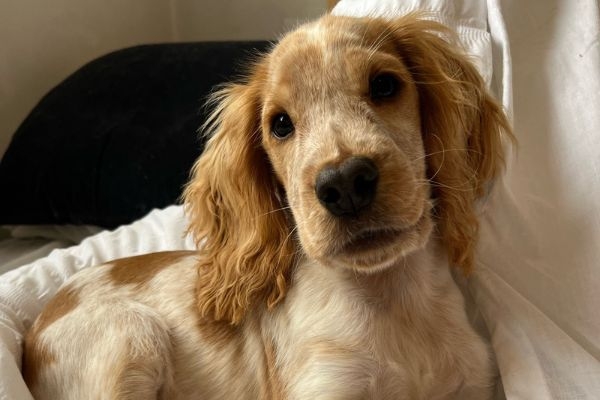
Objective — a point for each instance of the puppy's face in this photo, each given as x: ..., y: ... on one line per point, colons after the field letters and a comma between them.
x: 361, y: 122
x: 341, y: 126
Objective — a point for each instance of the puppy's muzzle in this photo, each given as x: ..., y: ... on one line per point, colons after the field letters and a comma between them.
x: 349, y: 188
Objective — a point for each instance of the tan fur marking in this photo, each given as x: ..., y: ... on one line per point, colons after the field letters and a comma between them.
x: 34, y: 361
x: 36, y: 355
x: 273, y: 387
x: 130, y: 374
x: 222, y: 334
x: 218, y: 331
x: 123, y: 387
x: 141, y: 269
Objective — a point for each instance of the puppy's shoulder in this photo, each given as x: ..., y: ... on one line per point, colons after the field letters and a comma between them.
x: 125, y: 276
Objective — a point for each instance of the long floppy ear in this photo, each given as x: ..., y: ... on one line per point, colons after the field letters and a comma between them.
x: 234, y: 204
x: 462, y: 128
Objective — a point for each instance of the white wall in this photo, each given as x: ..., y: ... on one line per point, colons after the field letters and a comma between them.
x: 239, y: 19
x: 42, y: 41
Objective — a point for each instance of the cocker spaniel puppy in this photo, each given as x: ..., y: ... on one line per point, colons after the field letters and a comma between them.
x: 340, y: 180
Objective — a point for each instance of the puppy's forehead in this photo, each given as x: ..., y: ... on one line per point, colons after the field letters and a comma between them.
x: 329, y: 32
x: 323, y: 45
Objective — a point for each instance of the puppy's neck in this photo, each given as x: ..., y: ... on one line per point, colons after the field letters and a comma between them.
x: 413, y: 279
x: 413, y: 275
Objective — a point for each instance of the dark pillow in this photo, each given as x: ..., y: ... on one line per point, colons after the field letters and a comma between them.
x: 118, y: 137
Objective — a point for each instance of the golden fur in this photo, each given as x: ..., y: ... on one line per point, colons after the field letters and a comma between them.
x: 284, y: 300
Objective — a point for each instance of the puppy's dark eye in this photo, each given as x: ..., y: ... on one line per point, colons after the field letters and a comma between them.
x: 282, y: 126
x: 383, y: 86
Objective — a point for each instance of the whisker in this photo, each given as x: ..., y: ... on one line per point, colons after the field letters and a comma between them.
x: 427, y: 181
x: 379, y: 41
x: 438, y: 184
x: 291, y: 233
x: 274, y: 211
x: 446, y: 150
x: 443, y: 156
x: 285, y: 241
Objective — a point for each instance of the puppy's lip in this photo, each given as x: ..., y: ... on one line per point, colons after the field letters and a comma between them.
x: 378, y: 238
x: 372, y: 239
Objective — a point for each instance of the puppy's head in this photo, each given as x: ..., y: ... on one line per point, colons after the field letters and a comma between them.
x: 351, y: 142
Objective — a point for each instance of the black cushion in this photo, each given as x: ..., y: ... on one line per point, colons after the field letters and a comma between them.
x: 118, y: 137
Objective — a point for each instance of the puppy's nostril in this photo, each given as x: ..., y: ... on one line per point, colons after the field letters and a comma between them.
x: 331, y: 195
x: 364, y: 185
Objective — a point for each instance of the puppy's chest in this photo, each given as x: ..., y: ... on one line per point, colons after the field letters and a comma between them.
x: 358, y: 348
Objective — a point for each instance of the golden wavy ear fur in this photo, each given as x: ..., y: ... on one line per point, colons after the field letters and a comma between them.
x: 462, y: 129
x: 235, y: 212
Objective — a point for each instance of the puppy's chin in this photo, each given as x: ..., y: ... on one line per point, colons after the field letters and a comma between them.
x: 374, y: 250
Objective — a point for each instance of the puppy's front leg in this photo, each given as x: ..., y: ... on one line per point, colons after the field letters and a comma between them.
x: 107, y: 349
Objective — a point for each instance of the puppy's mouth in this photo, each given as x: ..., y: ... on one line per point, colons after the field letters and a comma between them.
x: 371, y: 239
x: 374, y: 248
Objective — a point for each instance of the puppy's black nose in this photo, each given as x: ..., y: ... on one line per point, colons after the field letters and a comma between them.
x: 348, y: 188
